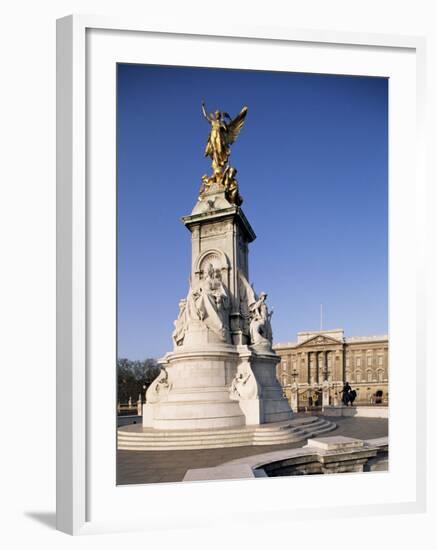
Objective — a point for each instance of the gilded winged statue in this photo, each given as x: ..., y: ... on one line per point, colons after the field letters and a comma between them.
x: 224, y: 131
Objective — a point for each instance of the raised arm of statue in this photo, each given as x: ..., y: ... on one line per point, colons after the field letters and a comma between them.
x: 205, y: 114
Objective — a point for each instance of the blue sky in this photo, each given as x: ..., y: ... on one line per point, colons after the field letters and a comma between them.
x: 312, y: 168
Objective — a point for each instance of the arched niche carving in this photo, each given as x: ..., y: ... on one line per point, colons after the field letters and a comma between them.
x: 213, y: 256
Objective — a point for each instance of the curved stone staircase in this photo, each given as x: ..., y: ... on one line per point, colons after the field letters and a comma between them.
x: 137, y: 438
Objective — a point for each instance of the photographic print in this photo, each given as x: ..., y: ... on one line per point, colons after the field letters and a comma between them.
x: 252, y: 274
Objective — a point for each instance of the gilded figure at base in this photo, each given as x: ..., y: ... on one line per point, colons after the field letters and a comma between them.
x: 231, y: 186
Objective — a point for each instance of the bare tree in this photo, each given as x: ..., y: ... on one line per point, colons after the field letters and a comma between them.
x: 134, y: 377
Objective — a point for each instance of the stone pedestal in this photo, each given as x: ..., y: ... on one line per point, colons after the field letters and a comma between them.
x: 216, y: 387
x: 220, y: 235
x: 256, y: 387
x: 221, y: 373
x: 195, y: 392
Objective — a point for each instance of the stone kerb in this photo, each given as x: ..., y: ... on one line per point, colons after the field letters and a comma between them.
x: 373, y: 411
x: 325, y: 455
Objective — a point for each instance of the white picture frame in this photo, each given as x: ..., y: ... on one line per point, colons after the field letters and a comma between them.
x: 75, y: 214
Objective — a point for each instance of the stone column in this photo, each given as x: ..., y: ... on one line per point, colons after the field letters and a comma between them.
x: 294, y: 402
x: 336, y: 396
x: 308, y: 367
x: 325, y: 394
x: 325, y: 375
x: 342, y: 373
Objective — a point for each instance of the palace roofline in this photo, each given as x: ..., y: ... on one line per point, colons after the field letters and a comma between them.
x: 346, y: 340
x: 352, y: 339
x: 321, y: 331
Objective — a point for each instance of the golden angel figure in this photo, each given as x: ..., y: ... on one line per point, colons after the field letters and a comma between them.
x: 224, y: 131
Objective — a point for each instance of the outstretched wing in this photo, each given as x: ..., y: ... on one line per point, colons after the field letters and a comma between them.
x: 234, y: 127
x: 247, y: 295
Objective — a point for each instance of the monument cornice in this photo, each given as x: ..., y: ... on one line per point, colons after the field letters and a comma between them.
x: 232, y: 212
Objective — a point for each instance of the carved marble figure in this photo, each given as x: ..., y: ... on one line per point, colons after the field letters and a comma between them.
x: 208, y: 302
x: 181, y: 324
x: 243, y: 385
x: 260, y: 326
x: 159, y: 388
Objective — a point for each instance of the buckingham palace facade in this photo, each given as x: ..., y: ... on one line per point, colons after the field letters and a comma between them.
x: 327, y: 358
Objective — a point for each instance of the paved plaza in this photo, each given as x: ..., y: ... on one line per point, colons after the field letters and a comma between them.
x: 137, y: 467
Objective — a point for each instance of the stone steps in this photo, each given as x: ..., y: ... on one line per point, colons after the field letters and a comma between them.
x: 137, y: 438
x: 248, y: 432
x: 293, y: 425
x: 293, y: 435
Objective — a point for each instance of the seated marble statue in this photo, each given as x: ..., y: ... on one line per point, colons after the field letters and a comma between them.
x: 208, y: 301
x: 260, y: 327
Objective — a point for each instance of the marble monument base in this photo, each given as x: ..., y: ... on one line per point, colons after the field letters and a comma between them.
x: 215, y: 386
x: 269, y: 405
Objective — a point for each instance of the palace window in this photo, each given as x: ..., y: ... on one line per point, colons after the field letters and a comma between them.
x: 369, y: 376
x: 380, y: 358
x: 358, y: 376
x: 358, y: 362
x: 369, y: 361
